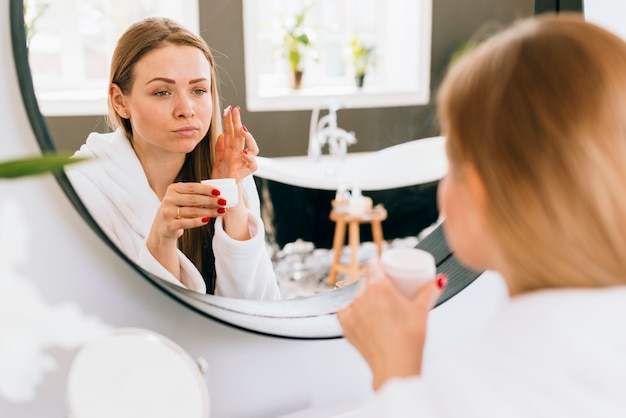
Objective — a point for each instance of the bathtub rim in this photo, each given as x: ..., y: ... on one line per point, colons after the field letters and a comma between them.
x: 273, y: 168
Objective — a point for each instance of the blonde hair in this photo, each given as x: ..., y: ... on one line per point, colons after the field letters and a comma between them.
x: 138, y: 40
x: 540, y: 112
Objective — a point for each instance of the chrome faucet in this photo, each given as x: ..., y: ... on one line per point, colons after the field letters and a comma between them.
x: 326, y: 132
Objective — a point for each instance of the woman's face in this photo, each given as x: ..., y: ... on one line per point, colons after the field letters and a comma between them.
x: 461, y: 202
x: 170, y: 103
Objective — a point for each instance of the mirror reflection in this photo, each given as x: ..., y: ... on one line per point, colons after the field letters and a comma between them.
x: 144, y: 185
x: 127, y: 188
x: 295, y: 216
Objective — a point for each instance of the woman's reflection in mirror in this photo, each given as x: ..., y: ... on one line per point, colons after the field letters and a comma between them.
x: 143, y: 183
x: 535, y: 120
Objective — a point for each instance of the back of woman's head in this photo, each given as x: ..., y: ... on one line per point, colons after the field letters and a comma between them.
x: 140, y: 39
x: 540, y: 112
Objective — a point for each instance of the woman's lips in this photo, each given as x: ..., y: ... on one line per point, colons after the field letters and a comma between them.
x: 187, y: 131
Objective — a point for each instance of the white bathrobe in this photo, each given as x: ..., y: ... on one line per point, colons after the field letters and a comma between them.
x: 115, y: 190
x: 555, y: 353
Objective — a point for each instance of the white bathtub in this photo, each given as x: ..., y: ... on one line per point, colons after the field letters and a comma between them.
x: 411, y: 163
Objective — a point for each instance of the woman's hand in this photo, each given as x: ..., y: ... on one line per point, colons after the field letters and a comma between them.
x: 387, y: 328
x: 235, y: 152
x: 184, y: 206
x: 235, y: 149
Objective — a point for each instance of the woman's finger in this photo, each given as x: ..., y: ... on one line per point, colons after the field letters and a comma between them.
x: 239, y: 140
x: 250, y: 162
x: 372, y: 274
x: 193, y: 222
x: 229, y: 129
x: 193, y: 212
x: 374, y: 270
x: 428, y: 295
x: 190, y: 194
x: 250, y: 142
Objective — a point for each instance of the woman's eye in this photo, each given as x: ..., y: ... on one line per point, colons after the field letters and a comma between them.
x: 161, y: 93
x: 199, y: 91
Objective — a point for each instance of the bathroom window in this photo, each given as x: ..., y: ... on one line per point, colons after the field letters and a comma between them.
x: 397, y: 31
x: 71, y: 42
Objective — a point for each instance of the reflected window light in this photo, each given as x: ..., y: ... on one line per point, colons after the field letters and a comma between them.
x: 71, y: 43
x: 399, y: 31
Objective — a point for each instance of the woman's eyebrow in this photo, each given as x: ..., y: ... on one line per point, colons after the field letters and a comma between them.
x: 170, y: 81
x: 198, y: 80
x: 166, y: 80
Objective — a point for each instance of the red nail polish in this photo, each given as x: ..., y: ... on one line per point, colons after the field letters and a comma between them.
x: 221, y: 210
x: 244, y: 128
x: 244, y: 151
x: 206, y: 220
x: 442, y: 280
x: 221, y: 202
x: 237, y: 107
x: 215, y: 192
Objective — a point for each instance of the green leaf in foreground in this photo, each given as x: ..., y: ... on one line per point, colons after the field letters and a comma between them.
x: 40, y: 164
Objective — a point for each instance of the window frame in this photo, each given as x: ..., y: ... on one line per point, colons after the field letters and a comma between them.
x: 346, y: 96
x: 55, y: 95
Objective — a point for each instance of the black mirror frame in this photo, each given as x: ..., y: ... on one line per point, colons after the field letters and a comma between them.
x: 302, y: 318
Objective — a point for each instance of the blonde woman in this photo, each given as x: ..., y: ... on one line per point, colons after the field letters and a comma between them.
x: 143, y: 185
x: 535, y: 120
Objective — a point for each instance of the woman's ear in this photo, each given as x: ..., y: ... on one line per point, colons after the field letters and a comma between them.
x: 476, y: 188
x: 116, y: 98
x: 490, y: 256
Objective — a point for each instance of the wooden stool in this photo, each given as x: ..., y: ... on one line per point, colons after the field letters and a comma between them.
x: 354, y: 270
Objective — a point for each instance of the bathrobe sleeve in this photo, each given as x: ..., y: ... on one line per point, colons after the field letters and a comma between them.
x: 114, y: 223
x: 552, y: 353
x: 243, y: 268
x: 100, y: 208
x: 124, y: 209
x: 400, y: 398
x: 190, y: 277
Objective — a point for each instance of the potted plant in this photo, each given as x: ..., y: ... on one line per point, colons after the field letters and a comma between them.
x: 297, y: 42
x: 33, y: 10
x: 362, y: 59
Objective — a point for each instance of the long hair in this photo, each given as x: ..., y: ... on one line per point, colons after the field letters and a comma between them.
x: 138, y: 40
x: 540, y: 112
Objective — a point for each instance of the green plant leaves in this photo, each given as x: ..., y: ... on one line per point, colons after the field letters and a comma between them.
x: 36, y: 165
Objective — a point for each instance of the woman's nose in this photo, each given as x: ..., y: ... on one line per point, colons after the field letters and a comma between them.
x: 184, y: 108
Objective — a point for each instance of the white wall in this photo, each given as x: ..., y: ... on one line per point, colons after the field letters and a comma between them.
x: 250, y: 375
x: 607, y: 13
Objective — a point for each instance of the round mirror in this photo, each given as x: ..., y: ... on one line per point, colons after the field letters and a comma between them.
x: 310, y: 317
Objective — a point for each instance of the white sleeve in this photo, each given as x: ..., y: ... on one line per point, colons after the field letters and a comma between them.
x: 243, y: 268
x: 190, y: 277
x: 399, y: 398
x: 114, y: 225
